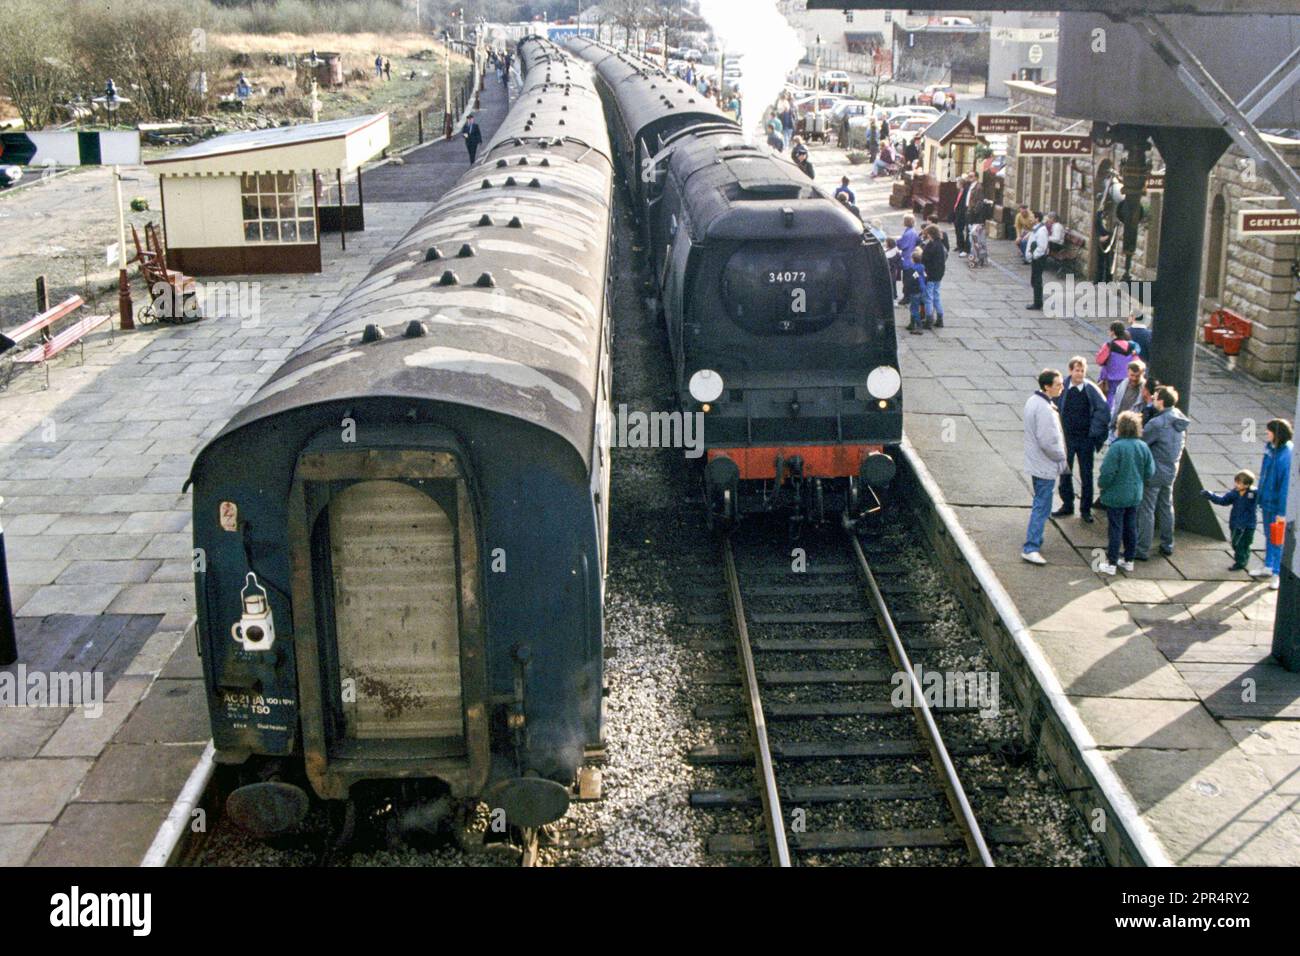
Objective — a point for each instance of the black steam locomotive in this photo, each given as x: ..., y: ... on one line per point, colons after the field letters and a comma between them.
x: 778, y: 303
x: 403, y: 535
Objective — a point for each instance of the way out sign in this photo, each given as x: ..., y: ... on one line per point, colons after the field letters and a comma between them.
x: 71, y: 148
x: 1054, y: 144
x: 1268, y: 222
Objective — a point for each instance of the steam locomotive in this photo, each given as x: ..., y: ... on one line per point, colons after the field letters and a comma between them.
x: 777, y: 302
x: 383, y: 597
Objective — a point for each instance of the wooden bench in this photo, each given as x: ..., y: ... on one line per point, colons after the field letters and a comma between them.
x: 40, y: 323
x: 1075, y: 242
x: 73, y: 334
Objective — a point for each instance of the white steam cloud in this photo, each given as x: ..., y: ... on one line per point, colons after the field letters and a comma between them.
x: 770, y: 46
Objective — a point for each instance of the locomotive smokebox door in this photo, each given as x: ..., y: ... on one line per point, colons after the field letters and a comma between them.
x: 530, y: 802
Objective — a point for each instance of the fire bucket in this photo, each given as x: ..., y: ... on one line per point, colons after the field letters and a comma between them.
x: 1277, y: 532
x: 1231, y: 343
x: 1209, y: 333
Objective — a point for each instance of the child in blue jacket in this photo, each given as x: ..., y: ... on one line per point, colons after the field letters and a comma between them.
x: 1241, y: 520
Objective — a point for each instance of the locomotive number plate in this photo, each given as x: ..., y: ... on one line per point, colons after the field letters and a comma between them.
x: 774, y: 277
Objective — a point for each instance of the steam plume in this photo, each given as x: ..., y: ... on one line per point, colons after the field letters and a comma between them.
x: 770, y: 46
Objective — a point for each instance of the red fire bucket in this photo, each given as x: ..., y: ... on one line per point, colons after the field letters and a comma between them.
x: 1277, y: 532
x: 1231, y: 343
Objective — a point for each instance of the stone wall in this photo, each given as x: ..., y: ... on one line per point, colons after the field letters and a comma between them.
x: 1256, y: 273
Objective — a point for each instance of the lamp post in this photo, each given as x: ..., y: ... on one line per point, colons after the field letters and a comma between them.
x: 446, y: 102
x: 111, y: 102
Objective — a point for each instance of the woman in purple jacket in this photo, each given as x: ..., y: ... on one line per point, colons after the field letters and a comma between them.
x: 1113, y: 359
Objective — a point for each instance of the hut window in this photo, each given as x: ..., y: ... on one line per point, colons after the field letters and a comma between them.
x: 278, y: 207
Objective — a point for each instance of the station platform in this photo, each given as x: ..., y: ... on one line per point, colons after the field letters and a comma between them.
x: 1167, y: 669
x: 98, y: 536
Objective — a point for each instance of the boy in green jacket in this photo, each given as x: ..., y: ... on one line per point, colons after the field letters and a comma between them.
x: 1125, y: 470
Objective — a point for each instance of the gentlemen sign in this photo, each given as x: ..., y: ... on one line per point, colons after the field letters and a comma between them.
x: 71, y: 148
x: 1054, y: 144
x: 1268, y: 222
x: 1002, y: 123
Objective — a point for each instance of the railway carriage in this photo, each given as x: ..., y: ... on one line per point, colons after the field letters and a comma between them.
x: 777, y: 302
x: 401, y: 539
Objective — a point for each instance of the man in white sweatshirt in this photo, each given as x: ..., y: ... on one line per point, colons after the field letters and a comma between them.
x: 1045, y: 459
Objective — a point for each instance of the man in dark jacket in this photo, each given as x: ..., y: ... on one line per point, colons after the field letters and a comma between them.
x: 473, y: 136
x: 1085, y: 417
x: 959, y: 217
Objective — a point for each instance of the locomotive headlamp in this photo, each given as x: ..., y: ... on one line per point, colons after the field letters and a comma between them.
x: 255, y: 630
x: 884, y: 382
x: 705, y: 385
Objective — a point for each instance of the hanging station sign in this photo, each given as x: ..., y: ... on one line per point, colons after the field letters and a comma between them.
x: 1054, y: 144
x: 1002, y: 123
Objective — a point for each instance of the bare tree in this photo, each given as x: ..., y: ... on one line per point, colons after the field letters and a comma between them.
x: 34, y: 68
x: 153, y: 49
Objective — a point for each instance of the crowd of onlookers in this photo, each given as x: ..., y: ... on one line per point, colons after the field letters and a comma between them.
x: 1137, y: 421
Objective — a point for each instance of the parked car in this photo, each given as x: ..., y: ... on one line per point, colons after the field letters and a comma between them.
x: 845, y: 108
x: 932, y: 91
x: 913, y: 124
x: 836, y: 81
x: 817, y: 103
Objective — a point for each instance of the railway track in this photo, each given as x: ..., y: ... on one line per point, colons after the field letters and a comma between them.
x: 821, y: 686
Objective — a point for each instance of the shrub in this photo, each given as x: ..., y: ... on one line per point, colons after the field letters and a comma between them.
x: 857, y: 157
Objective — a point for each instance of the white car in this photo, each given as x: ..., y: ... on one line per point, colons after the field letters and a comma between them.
x: 850, y: 108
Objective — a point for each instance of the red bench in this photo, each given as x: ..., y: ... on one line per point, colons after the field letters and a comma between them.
x: 39, y: 324
x: 73, y: 334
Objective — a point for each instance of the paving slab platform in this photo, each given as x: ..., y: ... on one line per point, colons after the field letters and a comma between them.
x: 1167, y: 669
x: 97, y: 530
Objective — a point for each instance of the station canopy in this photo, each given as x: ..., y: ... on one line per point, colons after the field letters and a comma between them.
x: 334, y: 144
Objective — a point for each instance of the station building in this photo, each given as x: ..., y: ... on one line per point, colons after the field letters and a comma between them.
x: 257, y: 201
x: 1252, y: 276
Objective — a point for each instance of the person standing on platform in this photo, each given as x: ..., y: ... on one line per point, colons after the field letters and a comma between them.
x: 914, y: 285
x: 800, y: 157
x: 959, y: 217
x: 1148, y: 405
x: 1036, y: 256
x: 1084, y: 418
x: 1045, y: 458
x: 934, y: 256
x: 1125, y: 470
x: 1241, y: 520
x: 884, y: 130
x: 473, y: 136
x: 1128, y: 394
x: 845, y: 188
x: 906, y: 243
x: 1274, y: 482
x: 1140, y: 335
x: 1113, y: 357
x: 787, y: 121
x: 1165, y: 434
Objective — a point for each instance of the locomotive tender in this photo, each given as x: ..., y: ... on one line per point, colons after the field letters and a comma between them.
x: 778, y: 304
x: 402, y: 537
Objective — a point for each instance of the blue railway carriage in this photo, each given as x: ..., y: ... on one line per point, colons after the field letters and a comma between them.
x: 401, y: 539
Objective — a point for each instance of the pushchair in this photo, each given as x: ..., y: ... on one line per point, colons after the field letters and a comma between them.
x: 979, y: 247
